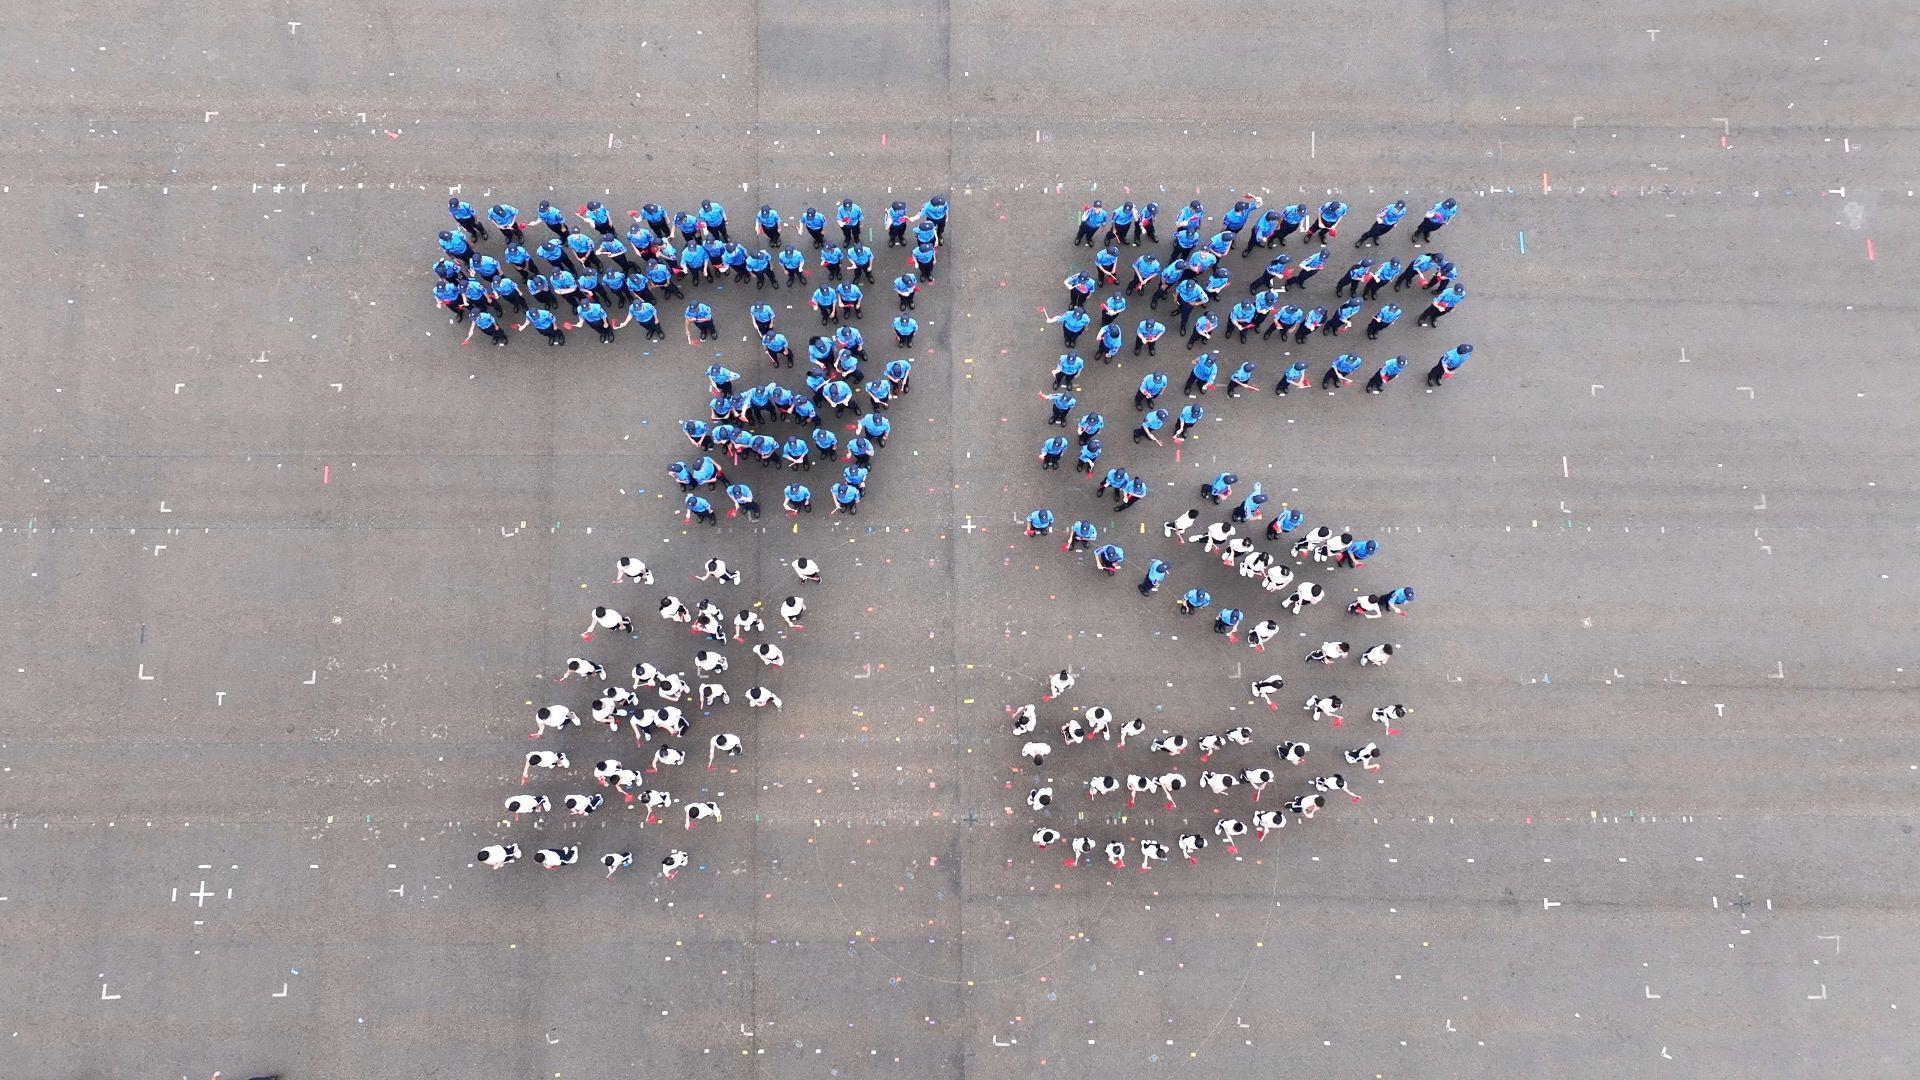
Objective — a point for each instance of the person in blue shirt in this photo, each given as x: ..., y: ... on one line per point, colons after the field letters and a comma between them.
x: 1066, y: 369
x: 1227, y: 621
x: 506, y: 289
x: 1151, y: 422
x: 906, y: 286
x: 852, y: 340
x: 1082, y: 534
x: 1326, y: 225
x: 1441, y: 213
x: 694, y: 264
x: 713, y: 217
x: 655, y: 219
x: 1122, y: 223
x: 860, y: 450
x: 1243, y: 317
x: 794, y: 263
x: 1355, y: 276
x: 896, y: 218
x: 1450, y: 362
x: 846, y: 499
x: 700, y: 317
x: 904, y: 327
x: 1236, y: 216
x: 1203, y: 327
x: 1242, y: 378
x: 850, y: 295
x: 721, y: 378
x: 1152, y: 385
x: 815, y: 223
x: 1093, y: 217
x: 456, y: 246
x: 860, y: 257
x: 1421, y: 265
x: 1090, y: 425
x: 566, y: 287
x: 464, y: 215
x: 839, y: 395
x: 1356, y: 553
x: 1343, y: 316
x: 1147, y: 334
x: 1289, y: 520
x: 1265, y: 227
x: 1108, y: 558
x: 1194, y: 599
x: 701, y: 509
x: 899, y: 373
x: 778, y: 348
x: 762, y: 316
x: 1398, y: 599
x: 505, y: 216
x: 1050, y: 452
x: 1383, y: 223
x: 1040, y: 522
x: 743, y: 501
x: 1090, y: 452
x: 1105, y: 262
x: 1111, y: 308
x: 759, y: 263
x: 1339, y: 372
x: 1079, y: 287
x: 766, y: 222
x: 1219, y: 487
x: 1156, y: 573
x: 826, y: 300
x: 1249, y: 508
x: 833, y: 259
x: 1073, y: 322
x: 793, y: 454
x: 850, y: 217
x: 594, y: 316
x: 1190, y: 296
x: 552, y: 218
x: 1148, y: 214
x: 451, y: 296
x: 649, y: 319
x: 1200, y: 379
x: 1377, y: 277
x: 682, y: 474
x: 1191, y: 216
x: 541, y: 289
x: 1285, y: 320
x: 582, y: 247
x: 543, y: 321
x: 1314, y: 320
x: 1448, y: 299
x: 1304, y: 272
x: 797, y: 499
x: 596, y: 215
x: 1145, y: 269
x: 935, y: 212
x: 1190, y: 415
x: 925, y: 233
x: 1388, y: 372
x: 876, y: 426
x: 1385, y: 317
x: 485, y: 323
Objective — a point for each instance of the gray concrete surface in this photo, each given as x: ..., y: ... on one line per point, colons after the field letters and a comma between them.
x: 288, y: 563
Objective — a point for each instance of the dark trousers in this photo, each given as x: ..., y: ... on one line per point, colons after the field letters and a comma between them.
x: 1425, y: 230
x: 1376, y: 384
x: 473, y: 227
x: 1194, y: 382
x: 1085, y: 234
x: 849, y: 235
x: 1374, y: 233
x: 1438, y: 373
x: 796, y: 276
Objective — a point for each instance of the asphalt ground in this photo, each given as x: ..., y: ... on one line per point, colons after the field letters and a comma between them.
x: 292, y: 565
